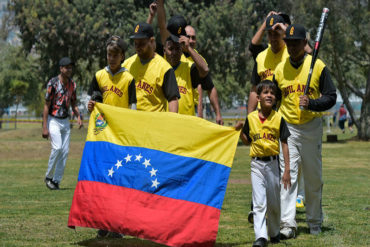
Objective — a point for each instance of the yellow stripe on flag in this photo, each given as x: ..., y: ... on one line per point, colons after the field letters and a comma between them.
x: 164, y: 131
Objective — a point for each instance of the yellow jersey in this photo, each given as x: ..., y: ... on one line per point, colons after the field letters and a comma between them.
x: 264, y: 136
x: 150, y: 82
x: 292, y: 83
x: 117, y: 89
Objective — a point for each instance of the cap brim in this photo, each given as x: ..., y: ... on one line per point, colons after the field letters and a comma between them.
x: 269, y: 28
x: 139, y: 36
x: 294, y: 38
x: 71, y: 63
x: 174, y: 38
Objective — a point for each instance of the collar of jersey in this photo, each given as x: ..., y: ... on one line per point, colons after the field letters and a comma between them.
x: 122, y: 69
x: 176, y: 66
x: 299, y: 63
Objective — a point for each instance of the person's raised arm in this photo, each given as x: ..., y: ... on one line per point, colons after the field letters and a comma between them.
x: 201, y: 64
x: 152, y: 12
x: 161, y: 16
x: 257, y: 38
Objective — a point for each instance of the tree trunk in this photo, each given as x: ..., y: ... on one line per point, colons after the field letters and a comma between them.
x: 364, y: 134
x: 15, y: 116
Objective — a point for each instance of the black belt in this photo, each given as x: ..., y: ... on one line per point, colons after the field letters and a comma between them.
x: 266, y: 158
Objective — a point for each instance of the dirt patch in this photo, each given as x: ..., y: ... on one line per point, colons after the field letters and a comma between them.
x: 239, y: 181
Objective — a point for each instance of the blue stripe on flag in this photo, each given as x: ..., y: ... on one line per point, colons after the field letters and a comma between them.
x: 156, y: 172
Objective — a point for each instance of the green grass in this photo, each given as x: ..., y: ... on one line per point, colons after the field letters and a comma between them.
x: 32, y: 215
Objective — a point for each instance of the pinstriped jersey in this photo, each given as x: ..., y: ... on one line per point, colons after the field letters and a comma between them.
x: 267, y: 62
x: 264, y: 136
x: 149, y: 81
x: 115, y: 88
x: 292, y: 83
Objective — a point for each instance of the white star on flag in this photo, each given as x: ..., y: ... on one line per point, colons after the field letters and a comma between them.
x: 118, y: 164
x: 155, y: 183
x: 146, y: 163
x: 128, y: 158
x: 138, y: 157
x: 153, y: 172
x: 111, y: 171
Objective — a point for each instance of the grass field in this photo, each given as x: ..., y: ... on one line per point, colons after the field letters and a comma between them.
x: 32, y: 215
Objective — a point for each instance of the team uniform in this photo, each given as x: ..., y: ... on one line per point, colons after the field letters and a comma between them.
x: 61, y: 97
x: 185, y: 57
x: 306, y: 134
x: 266, y: 62
x: 155, y: 82
x: 188, y: 79
x: 117, y: 89
x: 264, y: 138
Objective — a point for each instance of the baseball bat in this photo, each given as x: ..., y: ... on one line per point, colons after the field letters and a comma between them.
x: 319, y: 35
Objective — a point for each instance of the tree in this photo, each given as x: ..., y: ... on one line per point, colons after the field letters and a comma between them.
x: 18, y: 89
x: 16, y: 65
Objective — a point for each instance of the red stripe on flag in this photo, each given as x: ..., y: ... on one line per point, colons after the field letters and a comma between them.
x: 144, y: 215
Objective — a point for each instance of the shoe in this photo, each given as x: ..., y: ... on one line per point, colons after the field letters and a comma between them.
x: 261, y: 242
x: 50, y: 184
x: 108, y: 234
x: 115, y: 235
x: 287, y: 233
x: 102, y: 234
x: 315, y: 230
x: 275, y: 240
x: 299, y: 203
x: 56, y: 184
x: 250, y: 217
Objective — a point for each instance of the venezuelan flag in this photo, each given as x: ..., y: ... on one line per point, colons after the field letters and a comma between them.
x: 157, y: 176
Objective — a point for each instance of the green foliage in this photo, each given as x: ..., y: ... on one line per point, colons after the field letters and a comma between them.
x: 17, y: 71
x: 18, y: 88
x: 79, y: 29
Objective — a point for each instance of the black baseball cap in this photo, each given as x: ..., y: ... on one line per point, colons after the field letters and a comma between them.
x: 295, y: 31
x: 65, y: 61
x: 142, y: 31
x: 286, y: 18
x: 272, y: 20
x: 176, y: 26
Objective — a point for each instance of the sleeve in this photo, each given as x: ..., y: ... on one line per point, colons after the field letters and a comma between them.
x: 256, y: 49
x: 328, y: 93
x: 132, y: 93
x: 94, y: 86
x: 284, y: 131
x: 49, y: 91
x: 246, y: 129
x: 278, y: 91
x: 255, y: 77
x: 206, y: 82
x: 169, y: 87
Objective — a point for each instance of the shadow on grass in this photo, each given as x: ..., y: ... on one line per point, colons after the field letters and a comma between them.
x: 306, y: 230
x: 133, y: 242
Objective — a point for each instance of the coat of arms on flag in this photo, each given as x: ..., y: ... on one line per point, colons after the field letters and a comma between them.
x: 157, y: 176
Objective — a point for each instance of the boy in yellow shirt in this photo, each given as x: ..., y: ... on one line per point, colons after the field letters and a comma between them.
x: 262, y: 129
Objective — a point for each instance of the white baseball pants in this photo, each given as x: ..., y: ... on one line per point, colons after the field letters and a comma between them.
x: 266, y: 197
x: 59, y: 132
x: 304, y: 150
